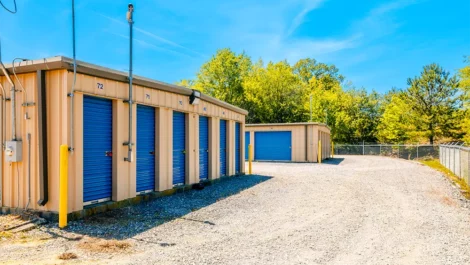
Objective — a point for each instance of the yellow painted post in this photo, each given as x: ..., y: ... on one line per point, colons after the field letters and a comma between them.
x: 250, y: 158
x: 319, y: 152
x: 332, y: 149
x: 63, y: 169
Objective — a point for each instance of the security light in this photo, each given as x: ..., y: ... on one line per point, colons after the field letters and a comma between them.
x: 195, y: 97
x: 130, y: 10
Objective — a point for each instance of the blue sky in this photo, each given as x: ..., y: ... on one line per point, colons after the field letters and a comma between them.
x: 375, y: 44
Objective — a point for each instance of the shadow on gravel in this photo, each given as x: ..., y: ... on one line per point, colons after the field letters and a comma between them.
x: 127, y: 222
x: 333, y: 161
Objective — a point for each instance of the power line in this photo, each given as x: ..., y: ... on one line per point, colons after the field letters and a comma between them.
x: 13, y: 12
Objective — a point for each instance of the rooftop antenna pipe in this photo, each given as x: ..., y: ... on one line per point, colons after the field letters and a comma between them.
x: 130, y: 11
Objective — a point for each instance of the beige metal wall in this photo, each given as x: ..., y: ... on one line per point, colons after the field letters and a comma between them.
x: 305, y: 139
x: 58, y: 85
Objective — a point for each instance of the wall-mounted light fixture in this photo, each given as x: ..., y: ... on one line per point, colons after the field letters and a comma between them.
x: 195, y: 97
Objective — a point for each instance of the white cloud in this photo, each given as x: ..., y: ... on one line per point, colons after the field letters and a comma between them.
x: 268, y: 34
x: 156, y: 37
x: 299, y: 19
x: 148, y: 45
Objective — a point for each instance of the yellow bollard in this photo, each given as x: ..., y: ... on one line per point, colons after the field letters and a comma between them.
x: 63, y: 169
x: 332, y: 149
x: 319, y: 152
x: 250, y: 158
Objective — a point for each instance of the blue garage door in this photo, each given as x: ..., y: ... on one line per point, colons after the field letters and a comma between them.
x: 145, y: 148
x: 223, y: 147
x: 203, y: 147
x: 247, y: 142
x: 179, y: 148
x: 237, y: 148
x: 273, y: 146
x: 97, y: 149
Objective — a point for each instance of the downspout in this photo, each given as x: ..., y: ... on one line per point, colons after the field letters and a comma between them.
x: 129, y: 142
x: 42, y: 136
x: 72, y: 93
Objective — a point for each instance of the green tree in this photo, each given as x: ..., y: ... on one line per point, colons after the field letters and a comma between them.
x: 186, y: 83
x: 397, y: 123
x: 222, y: 76
x: 433, y: 97
x: 465, y: 86
x: 309, y: 69
x: 274, y: 94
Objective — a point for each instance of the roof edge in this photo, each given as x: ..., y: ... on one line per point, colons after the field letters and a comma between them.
x: 62, y: 62
x: 286, y: 124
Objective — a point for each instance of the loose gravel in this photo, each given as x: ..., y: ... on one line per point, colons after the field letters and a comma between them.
x: 352, y: 210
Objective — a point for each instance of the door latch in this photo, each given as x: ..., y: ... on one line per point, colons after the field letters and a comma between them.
x: 108, y: 153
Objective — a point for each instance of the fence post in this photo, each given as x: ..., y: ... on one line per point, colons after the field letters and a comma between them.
x: 363, y: 152
x: 380, y: 149
x: 417, y: 151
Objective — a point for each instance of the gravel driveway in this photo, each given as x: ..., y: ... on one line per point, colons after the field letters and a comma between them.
x: 356, y: 210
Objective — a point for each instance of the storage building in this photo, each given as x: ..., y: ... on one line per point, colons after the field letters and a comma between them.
x: 174, y: 141
x: 296, y: 142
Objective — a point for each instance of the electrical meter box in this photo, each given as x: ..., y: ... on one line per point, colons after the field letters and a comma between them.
x: 14, y: 151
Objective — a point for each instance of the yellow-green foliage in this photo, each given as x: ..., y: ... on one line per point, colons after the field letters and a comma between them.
x: 465, y: 86
x: 434, y: 163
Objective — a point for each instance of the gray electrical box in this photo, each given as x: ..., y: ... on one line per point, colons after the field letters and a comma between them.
x: 14, y: 151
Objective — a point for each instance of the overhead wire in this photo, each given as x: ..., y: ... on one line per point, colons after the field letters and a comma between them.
x: 14, y: 3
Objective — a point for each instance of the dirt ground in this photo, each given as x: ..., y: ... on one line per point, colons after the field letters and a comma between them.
x: 350, y: 210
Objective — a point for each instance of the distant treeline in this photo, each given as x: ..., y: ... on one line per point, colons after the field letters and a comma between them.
x: 434, y: 107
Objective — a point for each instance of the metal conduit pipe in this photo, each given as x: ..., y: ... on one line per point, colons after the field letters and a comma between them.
x: 72, y: 93
x: 129, y: 142
x: 29, y: 171
x: 1, y: 152
x: 13, y: 102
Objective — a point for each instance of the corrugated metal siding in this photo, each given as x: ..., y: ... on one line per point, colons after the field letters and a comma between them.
x: 179, y: 148
x: 203, y: 147
x: 145, y: 148
x: 97, y: 148
x: 247, y: 142
x: 237, y: 147
x: 273, y: 146
x: 223, y: 147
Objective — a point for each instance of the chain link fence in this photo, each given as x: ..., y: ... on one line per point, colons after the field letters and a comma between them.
x: 456, y: 158
x: 408, y: 151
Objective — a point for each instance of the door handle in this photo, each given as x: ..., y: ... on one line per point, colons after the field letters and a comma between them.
x: 108, y: 153
x: 184, y: 152
x: 152, y: 152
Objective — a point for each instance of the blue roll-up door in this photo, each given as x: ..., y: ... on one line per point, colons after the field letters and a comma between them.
x: 145, y: 148
x: 273, y: 146
x: 247, y: 142
x: 237, y: 148
x: 223, y: 147
x: 203, y: 147
x: 97, y: 149
x: 179, y: 148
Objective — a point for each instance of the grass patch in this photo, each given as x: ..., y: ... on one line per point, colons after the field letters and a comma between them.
x: 5, y: 235
x: 105, y: 246
x: 67, y: 256
x: 435, y: 164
